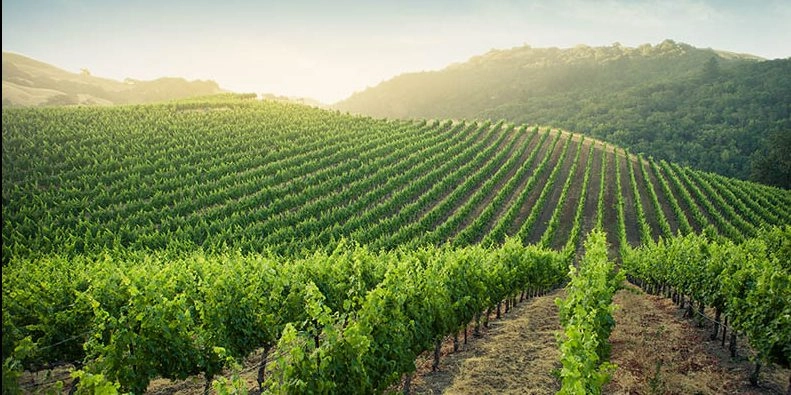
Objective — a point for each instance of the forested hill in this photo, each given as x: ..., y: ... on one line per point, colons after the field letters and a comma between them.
x: 713, y: 110
x: 29, y: 82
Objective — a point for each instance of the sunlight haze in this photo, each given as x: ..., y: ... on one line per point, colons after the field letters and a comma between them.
x: 328, y: 50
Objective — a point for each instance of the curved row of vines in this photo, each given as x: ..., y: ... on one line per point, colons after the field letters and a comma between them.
x: 176, y: 239
x: 261, y: 176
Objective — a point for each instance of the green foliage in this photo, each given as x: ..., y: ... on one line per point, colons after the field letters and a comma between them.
x: 323, y: 357
x: 94, y: 383
x: 12, y: 364
x: 602, y: 188
x: 224, y: 174
x: 586, y: 317
x: 350, y: 318
x: 576, y: 230
x: 771, y: 164
x: 749, y: 282
x: 177, y: 239
x: 619, y: 204
x: 697, y: 107
x: 554, y: 221
x: 501, y: 228
x: 425, y: 296
x: 236, y: 385
x: 645, y: 229
x: 683, y: 227
x: 527, y: 226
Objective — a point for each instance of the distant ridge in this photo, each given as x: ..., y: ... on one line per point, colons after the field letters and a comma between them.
x: 713, y: 110
x: 29, y: 82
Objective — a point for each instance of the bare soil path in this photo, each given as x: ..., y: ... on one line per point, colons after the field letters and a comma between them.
x: 660, y: 352
x: 656, y: 349
x: 517, y: 355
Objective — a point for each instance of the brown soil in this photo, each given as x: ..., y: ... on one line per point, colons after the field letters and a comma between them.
x: 524, y: 211
x: 573, y: 197
x: 526, y: 149
x: 629, y: 210
x: 610, y: 220
x: 659, y: 352
x: 542, y: 222
x: 517, y: 356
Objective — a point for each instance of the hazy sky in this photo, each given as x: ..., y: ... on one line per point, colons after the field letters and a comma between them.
x: 329, y: 49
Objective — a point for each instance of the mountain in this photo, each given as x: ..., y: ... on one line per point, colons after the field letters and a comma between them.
x: 712, y: 110
x: 28, y: 82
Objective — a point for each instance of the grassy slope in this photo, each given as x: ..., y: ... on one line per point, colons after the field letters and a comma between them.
x: 28, y: 82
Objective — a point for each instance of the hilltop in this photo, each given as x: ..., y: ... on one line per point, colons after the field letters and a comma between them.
x: 712, y: 110
x: 28, y: 82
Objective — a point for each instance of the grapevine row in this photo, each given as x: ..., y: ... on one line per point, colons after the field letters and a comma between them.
x: 586, y: 317
x: 664, y: 226
x: 135, y: 317
x: 535, y: 211
x: 546, y: 237
x: 645, y: 229
x: 681, y: 217
x: 576, y: 229
x: 477, y: 229
x: 749, y: 283
x: 500, y: 229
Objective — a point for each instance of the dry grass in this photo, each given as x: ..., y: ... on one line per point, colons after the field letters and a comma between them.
x: 516, y: 356
x: 656, y: 350
x: 659, y: 352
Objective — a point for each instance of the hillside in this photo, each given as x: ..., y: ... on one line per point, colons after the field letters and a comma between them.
x: 711, y: 110
x: 174, y: 241
x: 28, y: 82
x: 251, y: 175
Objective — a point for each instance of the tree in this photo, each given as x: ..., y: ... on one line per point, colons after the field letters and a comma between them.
x: 773, y: 165
x: 711, y: 69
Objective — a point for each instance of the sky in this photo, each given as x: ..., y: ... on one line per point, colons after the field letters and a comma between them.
x: 327, y: 50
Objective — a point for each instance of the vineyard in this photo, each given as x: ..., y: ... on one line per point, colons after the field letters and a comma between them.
x: 176, y: 239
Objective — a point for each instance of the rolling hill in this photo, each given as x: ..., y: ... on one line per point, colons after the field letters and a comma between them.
x: 711, y: 110
x: 233, y: 173
x: 28, y: 82
x: 175, y: 239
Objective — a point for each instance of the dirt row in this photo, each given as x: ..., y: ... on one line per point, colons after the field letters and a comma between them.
x: 517, y: 355
x: 656, y: 349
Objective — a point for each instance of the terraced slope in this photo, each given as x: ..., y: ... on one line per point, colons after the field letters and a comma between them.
x: 229, y: 173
